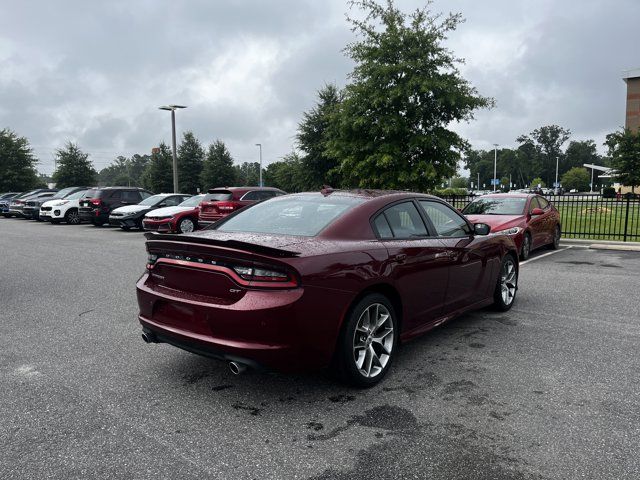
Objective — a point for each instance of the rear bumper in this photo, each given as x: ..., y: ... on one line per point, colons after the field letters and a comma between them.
x: 284, y: 330
x: 93, y: 215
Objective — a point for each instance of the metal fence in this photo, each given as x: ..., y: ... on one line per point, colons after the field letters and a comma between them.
x: 588, y: 216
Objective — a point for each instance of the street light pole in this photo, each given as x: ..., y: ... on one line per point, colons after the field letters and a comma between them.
x: 557, y: 161
x: 478, y: 180
x: 260, y: 146
x: 495, y: 165
x: 172, y: 109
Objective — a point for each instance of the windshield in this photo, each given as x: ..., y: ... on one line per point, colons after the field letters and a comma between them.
x: 192, y: 201
x: 151, y: 201
x: 63, y: 193
x: 218, y: 196
x: 75, y: 196
x: 304, y: 215
x: 496, y: 206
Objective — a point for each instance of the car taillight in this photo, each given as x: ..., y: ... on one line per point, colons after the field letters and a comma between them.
x: 260, y: 274
x: 95, y: 201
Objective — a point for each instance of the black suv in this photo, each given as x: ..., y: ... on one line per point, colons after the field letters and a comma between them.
x: 97, y: 203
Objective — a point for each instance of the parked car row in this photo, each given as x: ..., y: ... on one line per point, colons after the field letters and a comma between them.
x: 132, y: 207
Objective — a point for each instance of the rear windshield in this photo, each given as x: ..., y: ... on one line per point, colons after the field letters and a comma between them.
x: 304, y: 215
x: 496, y: 206
x: 63, y: 193
x: 192, y: 201
x: 218, y: 196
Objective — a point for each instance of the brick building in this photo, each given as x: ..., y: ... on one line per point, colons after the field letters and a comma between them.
x: 632, y: 79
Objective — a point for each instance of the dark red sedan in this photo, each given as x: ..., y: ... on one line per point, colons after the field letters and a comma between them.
x: 531, y: 220
x: 312, y: 280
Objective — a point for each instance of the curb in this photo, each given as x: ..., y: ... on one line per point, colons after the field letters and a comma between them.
x: 602, y: 244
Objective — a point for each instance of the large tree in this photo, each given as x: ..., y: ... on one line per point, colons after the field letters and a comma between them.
x: 158, y: 176
x: 248, y: 173
x: 17, y: 163
x: 288, y: 174
x: 576, y: 177
x: 73, y: 167
x: 624, y: 149
x: 218, y: 168
x: 578, y: 153
x: 547, y: 142
x: 392, y: 129
x: 124, y: 171
x: 313, y: 135
x: 190, y: 162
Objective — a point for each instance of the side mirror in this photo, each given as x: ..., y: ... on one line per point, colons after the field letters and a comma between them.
x: 537, y: 211
x: 481, y: 229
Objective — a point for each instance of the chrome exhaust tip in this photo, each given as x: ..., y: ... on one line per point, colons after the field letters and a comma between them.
x: 237, y: 368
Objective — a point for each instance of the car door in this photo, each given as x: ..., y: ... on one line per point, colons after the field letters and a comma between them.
x: 418, y: 263
x: 536, y: 224
x: 471, y: 260
x: 548, y: 221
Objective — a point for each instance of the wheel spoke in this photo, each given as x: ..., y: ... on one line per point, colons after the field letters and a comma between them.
x: 369, y: 361
x: 379, y: 338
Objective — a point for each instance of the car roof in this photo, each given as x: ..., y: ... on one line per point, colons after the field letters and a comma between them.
x: 512, y: 195
x: 244, y: 189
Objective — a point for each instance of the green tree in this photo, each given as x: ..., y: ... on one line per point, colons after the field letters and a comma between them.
x: 624, y: 149
x: 158, y: 176
x: 218, y: 168
x: 547, y: 142
x: 248, y: 173
x: 391, y: 129
x: 459, y: 182
x: 17, y: 163
x: 537, y: 181
x: 320, y: 167
x: 124, y: 171
x: 578, y: 153
x: 73, y: 167
x: 190, y: 163
x: 577, y: 178
x: 287, y: 174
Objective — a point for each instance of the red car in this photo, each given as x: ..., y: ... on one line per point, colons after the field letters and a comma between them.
x: 182, y: 218
x: 310, y: 280
x: 223, y: 201
x: 531, y: 220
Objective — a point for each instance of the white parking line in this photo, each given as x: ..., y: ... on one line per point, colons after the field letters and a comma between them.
x: 546, y: 255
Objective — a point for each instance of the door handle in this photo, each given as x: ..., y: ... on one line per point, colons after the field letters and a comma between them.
x: 399, y: 258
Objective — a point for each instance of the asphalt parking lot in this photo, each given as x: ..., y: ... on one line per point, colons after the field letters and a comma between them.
x: 549, y: 389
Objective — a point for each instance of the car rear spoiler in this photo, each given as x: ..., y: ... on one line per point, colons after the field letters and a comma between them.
x: 233, y: 244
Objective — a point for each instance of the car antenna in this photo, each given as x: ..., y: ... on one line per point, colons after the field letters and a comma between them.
x: 326, y: 190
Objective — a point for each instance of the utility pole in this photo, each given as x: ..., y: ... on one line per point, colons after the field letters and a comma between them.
x: 478, y: 180
x: 495, y: 165
x: 172, y: 109
x: 260, y: 146
x: 557, y: 162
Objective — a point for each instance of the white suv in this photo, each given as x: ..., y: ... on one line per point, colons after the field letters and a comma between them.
x: 65, y: 210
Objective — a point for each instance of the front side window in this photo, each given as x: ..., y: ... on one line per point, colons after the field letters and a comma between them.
x: 534, y: 204
x: 172, y: 201
x: 404, y: 221
x: 193, y: 201
x: 445, y: 220
x: 543, y: 203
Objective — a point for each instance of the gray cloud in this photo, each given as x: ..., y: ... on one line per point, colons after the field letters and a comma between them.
x: 95, y: 72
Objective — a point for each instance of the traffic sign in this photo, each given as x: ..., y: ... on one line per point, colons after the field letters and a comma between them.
x: 495, y: 181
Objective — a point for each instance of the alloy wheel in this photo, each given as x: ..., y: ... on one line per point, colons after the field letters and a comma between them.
x: 186, y: 225
x: 373, y: 340
x: 73, y: 218
x: 508, y: 281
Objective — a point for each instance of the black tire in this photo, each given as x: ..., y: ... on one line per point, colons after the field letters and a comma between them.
x: 125, y: 228
x: 97, y: 223
x: 557, y: 234
x: 346, y: 362
x: 525, y: 250
x: 502, y: 302
x: 72, y: 217
x: 54, y: 221
x: 185, y: 222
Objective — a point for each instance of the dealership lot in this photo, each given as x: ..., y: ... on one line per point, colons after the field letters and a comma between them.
x: 549, y: 389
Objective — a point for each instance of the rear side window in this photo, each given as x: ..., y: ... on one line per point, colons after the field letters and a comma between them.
x: 259, y: 195
x: 94, y: 193
x: 382, y: 227
x: 130, y: 197
x: 145, y: 195
x: 405, y: 221
x: 445, y: 220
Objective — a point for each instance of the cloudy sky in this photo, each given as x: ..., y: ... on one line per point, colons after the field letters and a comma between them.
x: 95, y: 72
